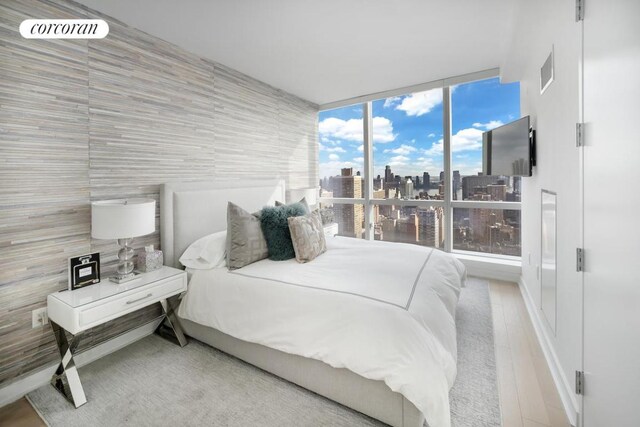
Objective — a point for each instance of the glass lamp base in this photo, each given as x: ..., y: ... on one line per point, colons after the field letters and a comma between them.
x: 125, y: 278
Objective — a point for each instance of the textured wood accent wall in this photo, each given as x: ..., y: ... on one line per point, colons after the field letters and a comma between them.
x: 90, y: 120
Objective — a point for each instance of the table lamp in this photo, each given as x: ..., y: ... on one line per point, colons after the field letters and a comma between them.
x: 123, y: 220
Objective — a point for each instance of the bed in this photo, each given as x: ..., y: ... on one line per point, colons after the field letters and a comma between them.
x: 370, y: 325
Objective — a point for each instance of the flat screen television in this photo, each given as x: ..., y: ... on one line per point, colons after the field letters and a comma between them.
x: 509, y: 149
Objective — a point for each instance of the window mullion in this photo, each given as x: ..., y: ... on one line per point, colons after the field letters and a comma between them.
x: 368, y: 170
x: 448, y: 187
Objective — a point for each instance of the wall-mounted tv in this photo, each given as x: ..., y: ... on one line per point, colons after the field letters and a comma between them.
x: 509, y: 149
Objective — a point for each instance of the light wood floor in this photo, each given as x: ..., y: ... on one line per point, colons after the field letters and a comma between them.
x: 20, y: 414
x: 528, y: 396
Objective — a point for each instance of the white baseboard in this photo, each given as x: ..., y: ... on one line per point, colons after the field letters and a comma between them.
x: 15, y: 390
x: 491, y: 268
x: 563, y: 385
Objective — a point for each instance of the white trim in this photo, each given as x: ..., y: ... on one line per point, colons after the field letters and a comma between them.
x: 17, y: 389
x: 341, y: 200
x: 563, y: 384
x: 385, y: 202
x: 470, y: 204
x: 508, y: 259
x: 407, y: 202
x: 491, y: 268
x: 435, y: 84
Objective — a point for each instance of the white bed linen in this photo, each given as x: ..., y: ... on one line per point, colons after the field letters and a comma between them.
x: 384, y: 311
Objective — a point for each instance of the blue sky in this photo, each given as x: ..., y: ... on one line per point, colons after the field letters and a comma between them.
x: 407, y: 130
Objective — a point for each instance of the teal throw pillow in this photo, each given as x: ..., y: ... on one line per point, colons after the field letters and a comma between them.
x: 275, y: 228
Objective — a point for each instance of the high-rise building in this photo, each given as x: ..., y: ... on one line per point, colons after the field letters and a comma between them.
x: 482, y: 219
x: 477, y: 183
x: 406, y: 189
x: 387, y: 174
x: 377, y: 183
x: 407, y: 229
x: 456, y: 184
x: 498, y: 192
x: 430, y: 226
x: 389, y: 229
x: 350, y: 218
x: 426, y: 181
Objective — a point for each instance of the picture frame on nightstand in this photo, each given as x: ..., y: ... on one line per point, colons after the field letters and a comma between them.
x: 84, y: 270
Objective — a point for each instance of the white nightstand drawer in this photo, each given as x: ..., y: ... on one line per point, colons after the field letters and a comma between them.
x: 331, y: 229
x: 130, y: 301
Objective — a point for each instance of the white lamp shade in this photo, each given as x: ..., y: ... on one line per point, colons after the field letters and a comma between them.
x: 296, y: 194
x: 123, y: 218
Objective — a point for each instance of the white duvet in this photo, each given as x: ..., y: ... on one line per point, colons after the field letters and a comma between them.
x: 382, y: 310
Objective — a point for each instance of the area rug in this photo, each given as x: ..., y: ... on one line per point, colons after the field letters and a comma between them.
x: 156, y: 383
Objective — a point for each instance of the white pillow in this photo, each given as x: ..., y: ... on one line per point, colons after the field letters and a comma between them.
x: 207, y: 252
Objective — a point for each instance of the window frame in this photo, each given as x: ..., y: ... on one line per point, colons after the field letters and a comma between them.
x: 448, y: 203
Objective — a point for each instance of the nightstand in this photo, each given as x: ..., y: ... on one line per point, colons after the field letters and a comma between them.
x: 78, y: 311
x: 330, y: 229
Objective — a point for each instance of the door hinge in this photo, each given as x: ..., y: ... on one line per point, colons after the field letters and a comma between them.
x: 579, y: 10
x: 579, y: 134
x: 579, y: 382
x: 579, y: 259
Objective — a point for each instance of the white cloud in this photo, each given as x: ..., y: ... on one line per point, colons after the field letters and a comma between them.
x: 469, y: 139
x: 390, y: 102
x: 336, y: 150
x: 431, y: 135
x: 489, y: 125
x: 403, y: 149
x: 323, y: 147
x: 420, y: 103
x: 398, y: 161
x: 351, y: 130
x: 469, y: 168
x: 334, y: 157
x: 358, y: 159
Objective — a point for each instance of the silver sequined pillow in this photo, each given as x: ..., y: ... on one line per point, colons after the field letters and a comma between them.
x: 307, y: 236
x: 245, y: 241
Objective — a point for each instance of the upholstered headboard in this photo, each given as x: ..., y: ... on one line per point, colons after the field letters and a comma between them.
x: 192, y: 209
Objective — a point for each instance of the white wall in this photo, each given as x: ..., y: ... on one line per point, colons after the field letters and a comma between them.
x: 539, y: 26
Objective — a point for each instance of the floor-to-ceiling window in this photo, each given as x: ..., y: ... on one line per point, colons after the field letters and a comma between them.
x: 408, y: 168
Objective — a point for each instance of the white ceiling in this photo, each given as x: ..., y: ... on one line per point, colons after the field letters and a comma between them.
x: 329, y: 50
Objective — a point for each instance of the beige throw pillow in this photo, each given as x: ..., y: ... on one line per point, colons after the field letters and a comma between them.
x: 307, y: 236
x: 245, y: 241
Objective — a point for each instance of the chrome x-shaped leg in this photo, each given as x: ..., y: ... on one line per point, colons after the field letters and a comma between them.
x: 66, y: 378
x: 170, y: 328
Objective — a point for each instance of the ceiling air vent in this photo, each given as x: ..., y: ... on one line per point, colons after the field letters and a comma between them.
x: 546, y: 73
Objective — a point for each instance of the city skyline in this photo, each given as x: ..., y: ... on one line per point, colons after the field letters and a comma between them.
x: 474, y: 229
